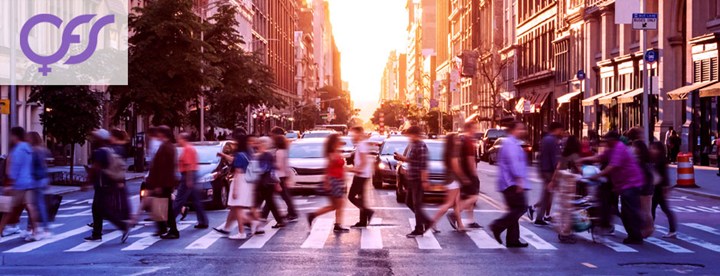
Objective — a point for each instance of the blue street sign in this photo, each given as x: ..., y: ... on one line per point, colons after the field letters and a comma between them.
x: 651, y: 56
x: 580, y: 74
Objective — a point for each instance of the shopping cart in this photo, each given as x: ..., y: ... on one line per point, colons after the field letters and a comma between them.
x: 578, y: 204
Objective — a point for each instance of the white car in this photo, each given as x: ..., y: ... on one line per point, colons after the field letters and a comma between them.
x: 308, y: 163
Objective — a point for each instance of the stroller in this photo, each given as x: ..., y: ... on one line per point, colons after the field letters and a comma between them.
x: 578, y: 205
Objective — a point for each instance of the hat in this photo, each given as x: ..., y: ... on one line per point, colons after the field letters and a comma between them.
x: 101, y: 134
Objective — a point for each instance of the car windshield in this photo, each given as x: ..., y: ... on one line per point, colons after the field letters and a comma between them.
x: 208, y: 154
x: 316, y: 135
x: 309, y: 150
x: 435, y: 151
x: 291, y: 135
x: 348, y: 142
x: 391, y: 147
x: 495, y: 133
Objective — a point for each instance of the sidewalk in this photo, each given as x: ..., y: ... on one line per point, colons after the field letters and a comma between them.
x: 80, y: 171
x: 705, y: 177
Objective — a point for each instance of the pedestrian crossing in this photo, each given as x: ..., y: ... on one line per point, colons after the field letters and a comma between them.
x: 383, y: 234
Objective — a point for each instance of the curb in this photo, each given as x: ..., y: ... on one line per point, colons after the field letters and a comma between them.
x: 698, y: 193
x: 73, y: 189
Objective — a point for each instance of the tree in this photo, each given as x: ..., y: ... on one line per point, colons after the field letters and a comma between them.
x: 491, y: 69
x: 431, y: 120
x: 244, y: 79
x: 71, y: 113
x: 306, y: 117
x: 169, y: 64
x: 339, y: 100
x: 395, y: 113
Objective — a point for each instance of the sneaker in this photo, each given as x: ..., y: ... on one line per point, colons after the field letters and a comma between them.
x: 170, y: 236
x: 340, y: 229
x: 453, y: 221
x: 93, y: 238
x: 201, y: 226
x: 414, y: 234
x: 238, y: 236
x: 278, y: 225
x: 124, y: 236
x: 10, y: 231
x: 531, y: 212
x: 670, y: 235
x: 24, y: 234
x: 475, y: 225
x: 221, y: 231
x: 291, y: 219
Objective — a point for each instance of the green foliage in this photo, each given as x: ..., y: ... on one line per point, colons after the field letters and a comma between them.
x: 431, y: 120
x: 395, y: 114
x: 306, y: 117
x: 71, y: 112
x: 340, y: 101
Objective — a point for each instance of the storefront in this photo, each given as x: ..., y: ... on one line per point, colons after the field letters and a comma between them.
x: 569, y: 112
x: 537, y: 113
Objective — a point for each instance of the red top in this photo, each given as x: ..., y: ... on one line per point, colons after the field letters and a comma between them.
x: 336, y: 168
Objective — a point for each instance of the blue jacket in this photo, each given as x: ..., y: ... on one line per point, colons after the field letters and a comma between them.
x: 20, y: 167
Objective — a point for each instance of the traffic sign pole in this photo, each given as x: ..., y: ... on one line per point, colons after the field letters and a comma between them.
x: 646, y: 78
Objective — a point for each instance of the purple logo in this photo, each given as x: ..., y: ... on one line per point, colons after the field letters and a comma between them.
x: 68, y: 38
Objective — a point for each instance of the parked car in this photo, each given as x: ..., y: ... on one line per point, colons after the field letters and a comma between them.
x: 385, y: 163
x: 292, y: 135
x: 317, y: 133
x: 308, y: 163
x: 436, y: 171
x: 488, y: 139
x: 214, y: 173
x: 492, y: 152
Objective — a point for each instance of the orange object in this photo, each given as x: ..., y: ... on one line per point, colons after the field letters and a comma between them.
x: 685, y: 171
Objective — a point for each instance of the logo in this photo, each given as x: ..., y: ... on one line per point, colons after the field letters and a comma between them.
x: 68, y: 38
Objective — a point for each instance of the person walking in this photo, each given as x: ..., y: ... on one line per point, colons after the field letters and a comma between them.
x: 187, y: 190
x: 282, y: 170
x: 417, y: 178
x: 40, y: 177
x: 362, y: 167
x: 512, y: 167
x: 548, y: 159
x: 118, y: 143
x: 104, y: 206
x: 642, y: 154
x: 627, y: 181
x: 661, y: 183
x: 470, y: 190
x: 19, y: 184
x: 161, y: 180
x: 455, y: 179
x: 334, y: 184
x: 675, y: 143
x: 242, y: 193
x: 269, y: 183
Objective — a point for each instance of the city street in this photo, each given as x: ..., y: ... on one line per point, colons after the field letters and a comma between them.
x: 381, y: 249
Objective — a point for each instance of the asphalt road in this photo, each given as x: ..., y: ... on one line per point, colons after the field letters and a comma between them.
x: 382, y: 249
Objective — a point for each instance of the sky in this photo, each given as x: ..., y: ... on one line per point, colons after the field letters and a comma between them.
x: 365, y: 32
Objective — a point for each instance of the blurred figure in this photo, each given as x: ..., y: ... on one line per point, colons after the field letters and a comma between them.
x: 661, y: 182
x: 103, y: 205
x: 187, y: 190
x: 549, y: 157
x: 642, y: 153
x: 470, y: 190
x: 242, y: 193
x: 40, y: 176
x: 627, y: 180
x: 118, y: 143
x: 154, y: 143
x: 362, y: 167
x: 417, y: 178
x: 334, y: 184
x: 586, y: 149
x: 267, y: 185
x: 161, y: 180
x: 19, y: 184
x: 512, y: 167
x: 455, y: 177
x: 282, y: 170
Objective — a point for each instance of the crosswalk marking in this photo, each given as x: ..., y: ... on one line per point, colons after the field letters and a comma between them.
x: 660, y: 243
x: 372, y: 236
x: 208, y: 239
x: 703, y: 228
x: 35, y: 245
x: 258, y: 241
x: 319, y: 233
x: 89, y: 245
x: 146, y: 242
x: 690, y: 239
x: 617, y: 247
x: 483, y: 240
x: 67, y: 201
x: 426, y: 241
x: 535, y: 240
x: 74, y: 208
x: 17, y: 235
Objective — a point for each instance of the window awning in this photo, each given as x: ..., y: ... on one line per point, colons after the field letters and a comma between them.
x: 538, y: 101
x: 630, y: 96
x: 609, y: 97
x: 710, y: 91
x: 591, y: 100
x: 568, y: 97
x: 682, y: 92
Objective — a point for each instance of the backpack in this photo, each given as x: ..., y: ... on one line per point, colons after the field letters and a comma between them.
x: 39, y: 166
x: 253, y: 172
x: 116, y: 167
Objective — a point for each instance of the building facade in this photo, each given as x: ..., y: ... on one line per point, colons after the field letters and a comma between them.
x: 421, y: 45
x: 388, y: 82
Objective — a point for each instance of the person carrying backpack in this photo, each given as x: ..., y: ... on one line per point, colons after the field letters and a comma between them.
x: 40, y: 176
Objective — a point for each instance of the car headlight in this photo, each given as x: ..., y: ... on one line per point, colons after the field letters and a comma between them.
x: 208, y: 178
x: 382, y: 166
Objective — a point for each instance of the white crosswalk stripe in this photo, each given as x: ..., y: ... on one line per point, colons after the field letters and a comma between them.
x: 208, y: 239
x: 55, y: 238
x: 146, y: 242
x: 17, y: 235
x: 89, y: 245
x: 319, y: 233
x: 259, y: 241
x: 535, y: 240
x: 483, y: 240
x: 426, y: 241
x: 372, y: 236
x: 690, y: 239
x: 616, y: 246
x: 660, y: 243
x: 704, y: 228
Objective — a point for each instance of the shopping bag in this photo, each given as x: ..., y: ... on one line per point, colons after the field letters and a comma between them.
x: 158, y: 208
x: 5, y: 203
x: 52, y: 203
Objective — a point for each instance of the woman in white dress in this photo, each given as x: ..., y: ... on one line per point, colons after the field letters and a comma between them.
x: 242, y: 194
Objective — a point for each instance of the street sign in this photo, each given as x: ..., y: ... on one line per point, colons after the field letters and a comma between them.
x: 580, y: 74
x: 4, y: 106
x: 651, y: 56
x: 645, y: 21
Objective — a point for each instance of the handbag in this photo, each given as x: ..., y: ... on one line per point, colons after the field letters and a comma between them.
x: 158, y: 207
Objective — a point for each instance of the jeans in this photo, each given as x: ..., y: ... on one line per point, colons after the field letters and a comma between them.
x: 414, y: 201
x: 162, y: 226
x: 517, y: 206
x: 265, y: 193
x: 357, y: 197
x: 660, y: 199
x: 42, y: 207
x: 103, y: 207
x: 285, y: 194
x: 546, y: 198
x: 630, y: 213
x: 185, y: 193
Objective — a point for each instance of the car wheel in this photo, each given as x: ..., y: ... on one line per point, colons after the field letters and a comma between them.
x: 377, y: 182
x: 220, y: 200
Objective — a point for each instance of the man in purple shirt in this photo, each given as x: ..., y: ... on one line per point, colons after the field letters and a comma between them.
x: 627, y: 179
x: 512, y: 166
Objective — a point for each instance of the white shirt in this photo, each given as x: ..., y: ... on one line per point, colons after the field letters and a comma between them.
x: 153, y: 147
x: 363, y: 147
x: 281, y: 163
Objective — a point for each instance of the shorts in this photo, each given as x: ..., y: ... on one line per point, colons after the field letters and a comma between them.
x: 453, y: 185
x: 338, y: 188
x: 471, y: 189
x: 23, y: 197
